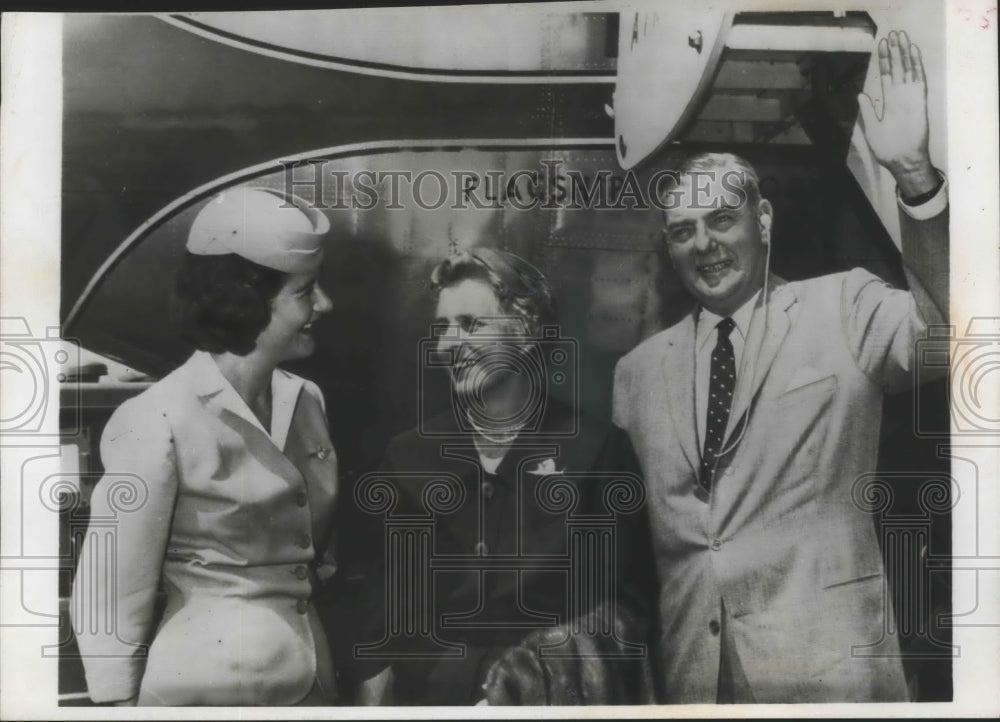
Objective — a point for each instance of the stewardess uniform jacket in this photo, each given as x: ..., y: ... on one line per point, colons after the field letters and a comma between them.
x: 198, y: 493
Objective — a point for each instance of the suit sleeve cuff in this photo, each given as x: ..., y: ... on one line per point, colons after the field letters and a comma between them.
x: 928, y: 208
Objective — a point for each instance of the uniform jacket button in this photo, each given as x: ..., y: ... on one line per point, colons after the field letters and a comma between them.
x: 713, y: 627
x: 488, y: 489
x: 716, y: 544
x: 301, y: 572
x: 305, y: 541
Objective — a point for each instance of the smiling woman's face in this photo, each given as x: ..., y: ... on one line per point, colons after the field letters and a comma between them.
x: 714, y: 239
x: 294, y: 310
x: 479, y: 334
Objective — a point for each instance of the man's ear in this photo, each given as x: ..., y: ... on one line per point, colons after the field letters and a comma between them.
x: 765, y: 214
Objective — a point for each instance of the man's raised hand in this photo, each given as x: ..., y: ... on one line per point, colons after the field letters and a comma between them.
x: 899, y: 139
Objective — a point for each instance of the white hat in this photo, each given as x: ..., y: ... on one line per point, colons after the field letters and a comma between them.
x: 266, y: 226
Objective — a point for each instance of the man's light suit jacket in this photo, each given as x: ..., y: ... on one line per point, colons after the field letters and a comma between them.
x: 197, y: 490
x: 783, y: 540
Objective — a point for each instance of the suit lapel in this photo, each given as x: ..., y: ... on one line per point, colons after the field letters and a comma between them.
x: 679, y: 374
x: 285, y: 390
x: 768, y: 328
x: 221, y: 399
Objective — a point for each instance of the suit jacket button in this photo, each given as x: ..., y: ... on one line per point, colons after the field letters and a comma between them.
x: 488, y: 490
x: 713, y: 627
x: 302, y: 606
x: 716, y: 545
x: 480, y: 550
x: 301, y: 572
x: 301, y: 498
x: 305, y: 541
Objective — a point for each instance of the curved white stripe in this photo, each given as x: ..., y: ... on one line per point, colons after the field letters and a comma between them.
x: 386, y: 73
x: 352, y: 149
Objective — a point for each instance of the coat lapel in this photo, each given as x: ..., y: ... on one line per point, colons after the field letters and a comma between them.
x: 219, y: 396
x: 217, y: 393
x: 285, y: 390
x: 768, y: 328
x: 678, y: 373
x: 213, y: 387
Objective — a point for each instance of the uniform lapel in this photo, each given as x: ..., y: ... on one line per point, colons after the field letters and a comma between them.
x: 285, y: 390
x: 679, y: 375
x: 768, y: 328
x: 219, y: 397
x: 217, y: 392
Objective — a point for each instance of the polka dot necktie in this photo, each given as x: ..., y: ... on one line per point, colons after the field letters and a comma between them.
x: 720, y: 399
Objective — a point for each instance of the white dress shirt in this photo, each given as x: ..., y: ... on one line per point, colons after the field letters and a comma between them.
x: 706, y: 337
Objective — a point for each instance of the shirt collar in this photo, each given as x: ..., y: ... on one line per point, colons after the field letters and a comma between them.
x: 285, y: 389
x: 707, y: 321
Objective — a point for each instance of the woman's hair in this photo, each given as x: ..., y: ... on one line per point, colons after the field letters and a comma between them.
x: 222, y: 303
x: 520, y: 287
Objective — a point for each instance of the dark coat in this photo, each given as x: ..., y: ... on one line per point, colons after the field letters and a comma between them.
x: 506, y: 515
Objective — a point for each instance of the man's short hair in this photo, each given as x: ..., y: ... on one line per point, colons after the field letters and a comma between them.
x: 520, y: 287
x: 222, y: 303
x: 738, y: 171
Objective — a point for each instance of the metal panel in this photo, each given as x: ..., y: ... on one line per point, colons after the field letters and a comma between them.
x: 498, y: 43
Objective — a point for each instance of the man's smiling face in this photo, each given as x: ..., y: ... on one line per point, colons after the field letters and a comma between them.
x: 713, y: 235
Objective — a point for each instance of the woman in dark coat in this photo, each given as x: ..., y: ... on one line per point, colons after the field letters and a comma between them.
x: 509, y: 475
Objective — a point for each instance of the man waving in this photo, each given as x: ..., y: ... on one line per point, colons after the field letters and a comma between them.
x: 756, y: 413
